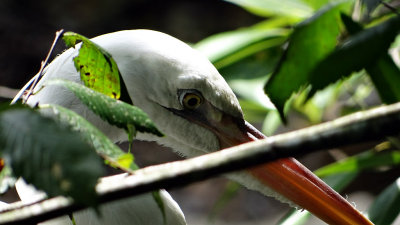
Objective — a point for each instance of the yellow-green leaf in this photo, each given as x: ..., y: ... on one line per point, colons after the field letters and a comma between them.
x: 97, y: 68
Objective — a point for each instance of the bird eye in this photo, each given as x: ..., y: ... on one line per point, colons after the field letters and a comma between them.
x: 191, y: 100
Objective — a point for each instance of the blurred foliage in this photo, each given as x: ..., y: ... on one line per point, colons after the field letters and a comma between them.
x: 318, y: 60
x: 31, y: 142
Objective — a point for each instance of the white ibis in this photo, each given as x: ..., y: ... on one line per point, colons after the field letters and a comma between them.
x: 193, y: 106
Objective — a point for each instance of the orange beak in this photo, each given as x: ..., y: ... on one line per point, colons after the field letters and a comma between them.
x: 291, y: 179
x: 286, y: 176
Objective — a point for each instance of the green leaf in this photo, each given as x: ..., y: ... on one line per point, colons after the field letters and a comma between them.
x: 112, y: 154
x: 386, y: 76
x: 111, y: 110
x: 384, y: 73
x: 256, y: 66
x: 386, y: 207
x: 252, y: 90
x: 271, y: 123
x: 97, y: 68
x: 317, y: 4
x: 311, y: 41
x: 225, y: 48
x: 7, y: 180
x: 103, y: 145
x: 295, y: 217
x: 267, y: 8
x: 50, y: 156
x: 360, y: 51
x: 364, y: 161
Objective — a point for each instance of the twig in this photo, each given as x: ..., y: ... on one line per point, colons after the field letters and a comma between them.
x: 32, y: 83
x: 374, y: 124
x: 394, y: 10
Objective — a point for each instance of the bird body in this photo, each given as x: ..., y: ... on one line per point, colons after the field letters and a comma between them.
x: 140, y: 209
x: 190, y: 102
x: 154, y: 66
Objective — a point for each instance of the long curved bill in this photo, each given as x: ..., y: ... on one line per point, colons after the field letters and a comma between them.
x: 286, y: 176
x: 290, y: 178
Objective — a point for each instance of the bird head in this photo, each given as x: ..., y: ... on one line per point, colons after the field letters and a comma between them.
x: 194, y: 107
x: 179, y: 89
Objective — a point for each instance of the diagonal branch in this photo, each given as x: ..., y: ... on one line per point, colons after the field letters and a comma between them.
x: 360, y: 127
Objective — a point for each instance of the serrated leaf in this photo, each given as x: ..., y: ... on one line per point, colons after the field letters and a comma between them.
x: 103, y: 145
x: 51, y: 157
x: 359, y: 51
x: 115, y: 112
x: 97, y: 68
x: 310, y: 42
x: 386, y: 207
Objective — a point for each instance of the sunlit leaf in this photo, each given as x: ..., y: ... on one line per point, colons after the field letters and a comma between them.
x: 251, y: 89
x: 97, y: 68
x: 271, y: 123
x: 103, y: 145
x: 266, y: 8
x: 386, y: 207
x: 295, y: 217
x: 113, y: 111
x: 364, y: 161
x: 50, y: 156
x: 360, y: 51
x: 311, y: 41
x: 253, y: 112
x: 225, y: 48
x: 317, y: 4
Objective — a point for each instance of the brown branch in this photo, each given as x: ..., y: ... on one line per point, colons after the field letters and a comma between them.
x: 360, y: 127
x: 32, y: 83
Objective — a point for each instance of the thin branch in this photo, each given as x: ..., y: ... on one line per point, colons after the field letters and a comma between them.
x: 32, y: 83
x: 391, y: 8
x: 374, y: 124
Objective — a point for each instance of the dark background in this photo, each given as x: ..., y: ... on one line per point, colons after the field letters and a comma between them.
x: 27, y: 27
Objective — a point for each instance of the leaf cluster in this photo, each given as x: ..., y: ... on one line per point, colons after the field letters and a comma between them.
x: 311, y: 61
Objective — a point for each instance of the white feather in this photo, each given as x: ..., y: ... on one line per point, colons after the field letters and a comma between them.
x: 153, y: 67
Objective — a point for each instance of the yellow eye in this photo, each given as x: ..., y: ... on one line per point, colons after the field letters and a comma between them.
x: 191, y: 101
